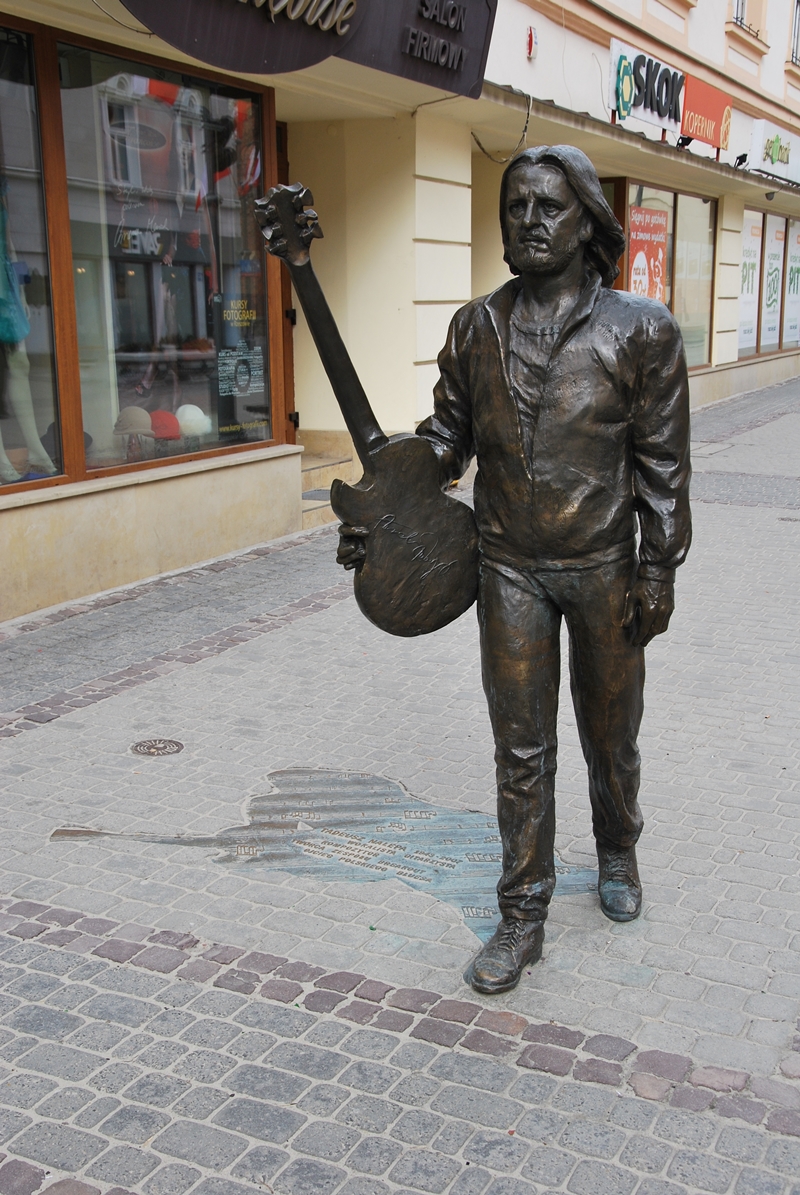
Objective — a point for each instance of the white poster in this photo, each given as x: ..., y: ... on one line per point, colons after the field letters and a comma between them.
x: 748, y: 289
x: 791, y: 309
x: 774, y: 247
x: 774, y: 150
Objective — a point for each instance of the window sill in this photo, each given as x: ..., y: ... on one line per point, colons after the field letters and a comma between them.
x: 77, y: 489
x: 753, y: 47
x: 792, y: 72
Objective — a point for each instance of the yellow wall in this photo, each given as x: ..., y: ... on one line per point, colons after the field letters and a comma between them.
x: 488, y: 268
x: 727, y: 278
x: 73, y: 540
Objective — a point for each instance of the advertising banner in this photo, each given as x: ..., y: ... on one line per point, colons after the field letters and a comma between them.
x: 644, y: 87
x: 647, y: 253
x: 706, y: 113
x: 774, y: 246
x: 775, y: 150
x: 748, y: 289
x: 791, y: 308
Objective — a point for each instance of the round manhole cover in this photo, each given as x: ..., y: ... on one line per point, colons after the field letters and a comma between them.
x: 157, y: 747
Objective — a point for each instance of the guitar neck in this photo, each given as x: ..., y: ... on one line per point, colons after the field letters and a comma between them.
x: 364, y: 428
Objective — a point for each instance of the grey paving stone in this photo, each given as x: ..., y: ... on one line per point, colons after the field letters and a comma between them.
x: 123, y: 1164
x: 596, y: 1140
x: 201, y: 1144
x: 784, y: 1156
x: 173, y: 1179
x: 541, y: 1124
x: 741, y: 1144
x: 158, y: 1090
x: 11, y: 1123
x: 425, y: 1171
x: 58, y: 1145
x: 369, y: 1076
x: 123, y: 1009
x: 415, y: 1089
x: 474, y: 1181
x: 134, y: 1123
x: 479, y: 1107
x: 97, y: 1111
x: 62, y: 1062
x: 369, y: 1113
x: 323, y: 1099
x: 684, y: 1128
x: 221, y: 1186
x: 326, y: 1140
x: 549, y: 1165
x: 644, y: 1154
x: 451, y: 1137
x: 417, y: 1128
x: 510, y: 1186
x: 756, y: 1182
x: 496, y: 1151
x: 307, y: 1176
x: 206, y: 1066
x: 472, y: 1072
x: 306, y: 1060
x: 23, y: 1091
x: 699, y: 1170
x: 200, y: 1102
x: 260, y: 1164
x: 44, y: 1022
x: 267, y: 1083
x: 65, y: 1103
x: 265, y: 1122
x: 374, y: 1155
x: 600, y: 1178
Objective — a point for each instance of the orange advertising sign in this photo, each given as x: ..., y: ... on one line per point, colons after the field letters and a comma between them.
x: 647, y: 253
x: 706, y: 113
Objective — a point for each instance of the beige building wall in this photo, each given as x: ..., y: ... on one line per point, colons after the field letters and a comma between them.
x: 69, y: 541
x: 727, y: 278
x: 488, y: 268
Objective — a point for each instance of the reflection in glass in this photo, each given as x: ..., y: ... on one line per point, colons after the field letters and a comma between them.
x: 169, y: 276
x: 749, y: 285
x: 30, y: 446
x: 694, y: 267
x: 650, y: 215
x: 791, y: 302
x: 772, y: 290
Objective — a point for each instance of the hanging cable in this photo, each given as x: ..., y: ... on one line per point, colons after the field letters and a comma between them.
x: 522, y: 141
x: 117, y: 21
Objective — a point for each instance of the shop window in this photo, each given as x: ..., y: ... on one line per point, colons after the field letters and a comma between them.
x: 162, y: 170
x: 750, y: 285
x: 29, y: 428
x: 650, y: 232
x: 772, y: 287
x: 694, y: 270
x: 791, y: 301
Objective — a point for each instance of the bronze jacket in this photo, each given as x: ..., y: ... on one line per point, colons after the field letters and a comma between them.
x: 611, y: 438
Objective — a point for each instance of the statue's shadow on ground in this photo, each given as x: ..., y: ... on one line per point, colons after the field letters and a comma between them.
x: 355, y: 827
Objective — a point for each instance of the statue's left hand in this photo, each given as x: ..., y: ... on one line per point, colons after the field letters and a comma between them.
x: 648, y: 608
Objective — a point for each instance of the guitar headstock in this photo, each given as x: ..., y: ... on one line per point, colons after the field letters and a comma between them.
x: 288, y: 222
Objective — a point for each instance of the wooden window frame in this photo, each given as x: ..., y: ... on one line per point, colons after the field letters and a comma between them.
x: 44, y: 45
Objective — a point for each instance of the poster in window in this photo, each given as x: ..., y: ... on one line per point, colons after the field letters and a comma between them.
x: 791, y: 310
x: 749, y: 285
x: 647, y: 255
x: 774, y: 245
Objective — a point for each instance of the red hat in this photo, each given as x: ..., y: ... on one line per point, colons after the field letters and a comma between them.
x: 165, y: 425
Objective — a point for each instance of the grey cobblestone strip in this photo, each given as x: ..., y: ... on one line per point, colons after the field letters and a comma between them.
x: 41, y: 712
x: 132, y: 593
x: 118, y: 1078
x: 746, y: 489
x: 745, y: 412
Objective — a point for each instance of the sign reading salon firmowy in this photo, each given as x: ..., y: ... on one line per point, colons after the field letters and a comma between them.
x: 443, y: 43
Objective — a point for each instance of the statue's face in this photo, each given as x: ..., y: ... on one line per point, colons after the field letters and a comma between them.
x: 546, y: 224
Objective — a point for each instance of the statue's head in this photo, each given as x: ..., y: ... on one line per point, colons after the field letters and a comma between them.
x: 551, y: 207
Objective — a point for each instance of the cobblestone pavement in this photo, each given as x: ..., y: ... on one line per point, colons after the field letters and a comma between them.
x: 172, y: 1020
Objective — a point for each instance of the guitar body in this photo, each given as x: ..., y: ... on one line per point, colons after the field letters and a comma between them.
x: 421, y: 566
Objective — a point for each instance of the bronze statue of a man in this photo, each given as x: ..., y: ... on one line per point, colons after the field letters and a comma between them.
x: 574, y: 398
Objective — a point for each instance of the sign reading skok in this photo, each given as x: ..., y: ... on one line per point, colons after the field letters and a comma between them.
x: 645, y: 87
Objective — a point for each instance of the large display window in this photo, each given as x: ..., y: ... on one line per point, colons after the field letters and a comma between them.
x: 169, y: 275
x: 670, y: 257
x: 30, y: 441
x: 140, y: 322
x: 769, y: 294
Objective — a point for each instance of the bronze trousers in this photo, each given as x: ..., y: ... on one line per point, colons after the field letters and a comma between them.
x: 520, y: 612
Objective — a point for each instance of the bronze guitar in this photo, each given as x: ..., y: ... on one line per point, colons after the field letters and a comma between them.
x: 421, y: 566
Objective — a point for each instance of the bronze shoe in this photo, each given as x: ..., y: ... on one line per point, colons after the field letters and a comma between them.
x: 618, y: 884
x: 498, y: 965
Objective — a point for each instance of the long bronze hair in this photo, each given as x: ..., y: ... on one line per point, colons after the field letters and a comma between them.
x: 607, y: 243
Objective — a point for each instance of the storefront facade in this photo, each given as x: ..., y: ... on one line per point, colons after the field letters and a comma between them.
x: 155, y: 369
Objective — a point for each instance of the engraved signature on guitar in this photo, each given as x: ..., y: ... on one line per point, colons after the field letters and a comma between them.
x: 414, y: 540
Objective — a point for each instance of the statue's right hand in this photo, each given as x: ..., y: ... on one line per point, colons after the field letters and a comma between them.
x: 352, y: 546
